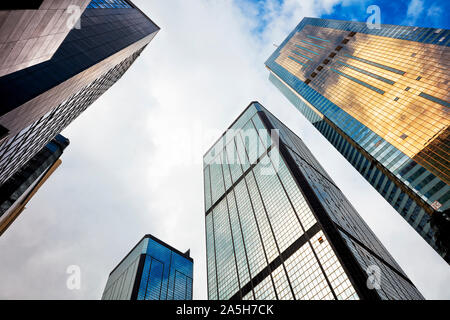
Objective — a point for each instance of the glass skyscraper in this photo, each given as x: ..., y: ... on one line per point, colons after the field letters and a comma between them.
x: 41, y: 98
x: 277, y: 226
x: 21, y: 187
x: 153, y: 270
x: 381, y: 97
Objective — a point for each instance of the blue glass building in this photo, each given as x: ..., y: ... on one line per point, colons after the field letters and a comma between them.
x: 381, y: 97
x: 278, y: 227
x: 153, y: 270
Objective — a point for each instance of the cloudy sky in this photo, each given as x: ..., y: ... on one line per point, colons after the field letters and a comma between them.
x: 134, y: 165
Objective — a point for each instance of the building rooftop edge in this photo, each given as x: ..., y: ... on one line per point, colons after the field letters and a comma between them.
x: 229, y: 127
x: 185, y: 255
x: 137, y: 8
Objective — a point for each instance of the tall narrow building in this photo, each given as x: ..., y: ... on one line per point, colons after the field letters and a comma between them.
x: 381, y: 96
x: 277, y: 226
x: 18, y: 190
x: 153, y: 270
x: 47, y: 83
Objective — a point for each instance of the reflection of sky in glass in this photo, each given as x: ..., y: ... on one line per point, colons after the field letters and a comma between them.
x: 166, y: 275
x: 109, y: 4
x: 257, y: 224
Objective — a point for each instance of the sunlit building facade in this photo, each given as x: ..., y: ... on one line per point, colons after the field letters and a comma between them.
x: 153, y: 270
x: 277, y: 226
x: 381, y: 97
x: 41, y: 98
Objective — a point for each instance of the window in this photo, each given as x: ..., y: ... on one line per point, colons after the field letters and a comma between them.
x: 332, y: 55
x: 407, y: 88
x: 396, y: 99
x: 338, y: 48
x: 344, y: 41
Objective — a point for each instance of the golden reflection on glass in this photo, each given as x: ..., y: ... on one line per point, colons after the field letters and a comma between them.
x: 414, y: 124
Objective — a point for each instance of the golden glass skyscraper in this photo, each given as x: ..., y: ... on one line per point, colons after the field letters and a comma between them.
x: 380, y: 96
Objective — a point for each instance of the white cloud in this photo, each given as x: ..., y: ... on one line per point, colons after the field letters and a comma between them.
x: 130, y: 169
x: 434, y: 11
x: 415, y: 9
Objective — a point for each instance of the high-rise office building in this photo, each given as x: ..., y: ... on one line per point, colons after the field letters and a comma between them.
x: 18, y: 190
x: 380, y: 95
x: 40, y: 100
x: 277, y: 226
x: 153, y: 270
x: 32, y: 31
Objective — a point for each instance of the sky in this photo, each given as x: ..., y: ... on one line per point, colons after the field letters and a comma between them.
x: 134, y: 164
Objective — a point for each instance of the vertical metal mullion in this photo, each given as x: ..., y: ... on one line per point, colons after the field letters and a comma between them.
x: 162, y: 277
x: 125, y: 273
x: 228, y: 215
x: 256, y: 220
x: 185, y: 288
x: 267, y: 215
x: 240, y: 224
x: 148, y: 278
x: 206, y: 231
x: 215, y: 254
x: 168, y: 276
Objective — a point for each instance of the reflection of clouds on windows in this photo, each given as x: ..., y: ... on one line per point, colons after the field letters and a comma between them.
x: 109, y: 4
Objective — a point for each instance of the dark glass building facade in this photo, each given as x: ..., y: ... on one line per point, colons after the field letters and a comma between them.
x: 153, y: 270
x: 381, y: 97
x: 18, y: 190
x: 277, y: 226
x: 39, y: 101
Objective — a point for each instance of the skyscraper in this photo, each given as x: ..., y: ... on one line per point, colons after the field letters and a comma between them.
x: 18, y: 190
x: 40, y: 100
x: 381, y: 97
x: 32, y: 31
x: 153, y: 270
x: 277, y: 226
